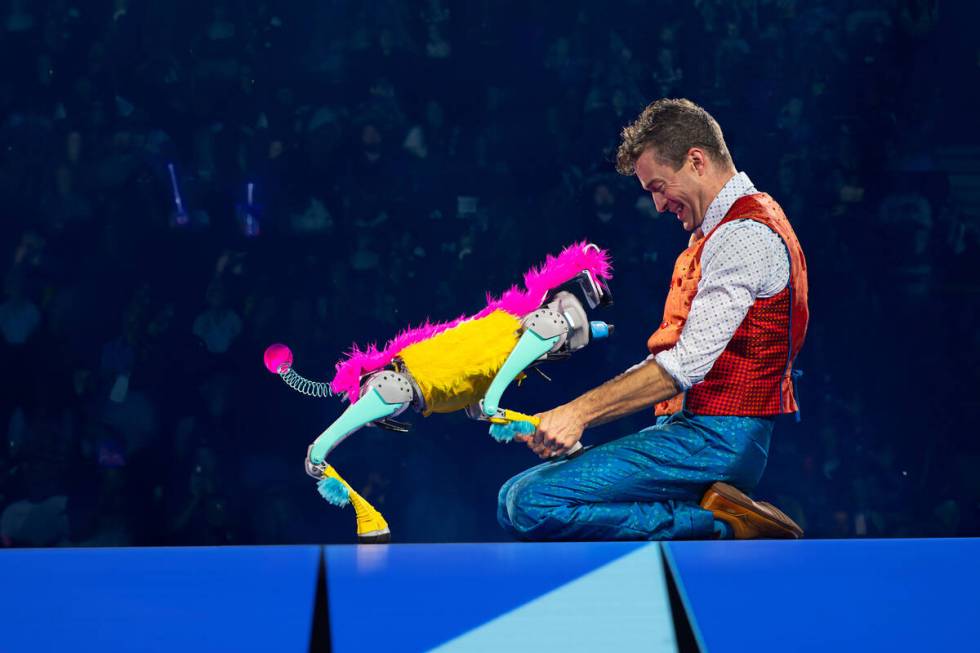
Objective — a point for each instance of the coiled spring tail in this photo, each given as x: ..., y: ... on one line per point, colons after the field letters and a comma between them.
x: 305, y: 386
x: 279, y: 360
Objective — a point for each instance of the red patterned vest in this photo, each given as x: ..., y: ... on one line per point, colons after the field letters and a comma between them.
x: 753, y: 375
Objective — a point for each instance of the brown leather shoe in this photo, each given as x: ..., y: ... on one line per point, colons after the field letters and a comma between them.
x: 749, y: 519
x: 784, y: 517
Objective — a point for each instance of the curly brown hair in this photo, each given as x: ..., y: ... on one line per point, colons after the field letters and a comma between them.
x: 672, y: 126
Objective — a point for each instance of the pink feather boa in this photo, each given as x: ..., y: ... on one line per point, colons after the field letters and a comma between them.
x: 555, y: 271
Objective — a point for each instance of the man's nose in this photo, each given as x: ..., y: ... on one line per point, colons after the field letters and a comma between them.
x: 659, y: 201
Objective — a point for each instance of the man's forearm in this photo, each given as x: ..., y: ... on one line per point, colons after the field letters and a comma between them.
x: 637, y: 388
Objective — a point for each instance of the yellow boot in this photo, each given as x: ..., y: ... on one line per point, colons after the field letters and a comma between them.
x: 371, y: 525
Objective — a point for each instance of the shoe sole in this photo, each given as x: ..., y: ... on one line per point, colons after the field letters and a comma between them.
x: 728, y: 500
x: 382, y: 536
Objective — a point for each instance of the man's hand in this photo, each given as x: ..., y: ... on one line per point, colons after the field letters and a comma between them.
x: 639, y: 387
x: 560, y: 428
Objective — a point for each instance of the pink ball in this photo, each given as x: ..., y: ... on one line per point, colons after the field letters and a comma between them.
x: 278, y: 358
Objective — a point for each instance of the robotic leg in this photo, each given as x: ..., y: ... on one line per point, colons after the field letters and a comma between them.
x: 386, y: 394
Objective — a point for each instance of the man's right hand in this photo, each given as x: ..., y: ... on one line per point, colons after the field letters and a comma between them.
x: 558, y: 431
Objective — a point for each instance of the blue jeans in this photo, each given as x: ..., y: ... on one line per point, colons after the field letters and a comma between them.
x: 643, y: 486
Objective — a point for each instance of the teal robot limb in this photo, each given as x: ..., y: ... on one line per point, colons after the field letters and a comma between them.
x: 560, y: 327
x: 385, y: 395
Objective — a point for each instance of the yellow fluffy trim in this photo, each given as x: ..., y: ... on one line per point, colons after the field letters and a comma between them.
x: 455, y: 368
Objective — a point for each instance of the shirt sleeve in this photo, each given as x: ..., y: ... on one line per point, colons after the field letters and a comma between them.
x: 742, y: 261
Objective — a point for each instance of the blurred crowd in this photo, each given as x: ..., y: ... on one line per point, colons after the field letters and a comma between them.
x: 185, y: 183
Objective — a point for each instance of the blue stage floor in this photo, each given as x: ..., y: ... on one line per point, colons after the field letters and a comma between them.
x: 821, y: 595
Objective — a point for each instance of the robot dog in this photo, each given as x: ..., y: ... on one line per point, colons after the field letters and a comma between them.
x: 465, y: 364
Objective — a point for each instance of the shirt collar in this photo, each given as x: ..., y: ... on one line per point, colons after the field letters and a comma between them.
x: 738, y: 186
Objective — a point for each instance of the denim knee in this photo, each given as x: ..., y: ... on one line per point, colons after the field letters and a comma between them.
x: 528, y: 511
x: 503, y: 515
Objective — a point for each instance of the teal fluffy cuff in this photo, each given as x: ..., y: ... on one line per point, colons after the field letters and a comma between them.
x: 333, y: 491
x: 507, y: 432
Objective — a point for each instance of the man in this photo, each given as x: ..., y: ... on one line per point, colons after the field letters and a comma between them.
x: 719, y: 370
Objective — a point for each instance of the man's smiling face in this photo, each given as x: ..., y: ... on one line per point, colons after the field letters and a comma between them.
x: 678, y: 191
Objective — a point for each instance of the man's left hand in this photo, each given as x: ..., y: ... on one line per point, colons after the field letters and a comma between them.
x: 560, y: 428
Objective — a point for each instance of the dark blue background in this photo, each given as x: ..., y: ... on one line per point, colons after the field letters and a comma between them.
x: 859, y: 118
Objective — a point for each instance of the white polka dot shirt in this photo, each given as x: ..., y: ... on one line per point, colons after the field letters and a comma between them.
x: 742, y: 261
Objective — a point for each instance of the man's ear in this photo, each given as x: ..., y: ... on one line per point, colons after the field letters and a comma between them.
x: 697, y: 160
